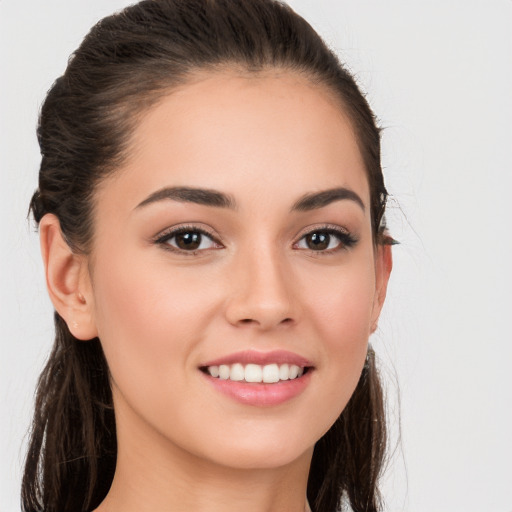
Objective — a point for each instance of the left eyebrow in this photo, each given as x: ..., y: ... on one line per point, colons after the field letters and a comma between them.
x: 201, y: 196
x: 318, y: 200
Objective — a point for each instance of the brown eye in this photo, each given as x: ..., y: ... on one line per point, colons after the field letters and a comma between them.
x: 328, y: 240
x: 189, y: 241
x: 318, y: 241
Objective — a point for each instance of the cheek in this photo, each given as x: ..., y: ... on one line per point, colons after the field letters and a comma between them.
x: 341, y: 311
x: 341, y: 305
x: 148, y: 318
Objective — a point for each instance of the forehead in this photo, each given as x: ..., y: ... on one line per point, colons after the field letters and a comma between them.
x: 274, y: 131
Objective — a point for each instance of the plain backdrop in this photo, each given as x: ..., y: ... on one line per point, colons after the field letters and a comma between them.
x: 439, y: 76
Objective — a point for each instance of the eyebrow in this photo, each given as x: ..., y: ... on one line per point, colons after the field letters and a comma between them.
x: 318, y: 200
x: 201, y: 196
x: 207, y: 197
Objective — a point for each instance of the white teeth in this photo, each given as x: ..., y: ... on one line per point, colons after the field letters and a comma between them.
x: 269, y: 374
x: 284, y: 372
x: 224, y: 371
x: 237, y: 372
x: 213, y: 371
x: 253, y: 373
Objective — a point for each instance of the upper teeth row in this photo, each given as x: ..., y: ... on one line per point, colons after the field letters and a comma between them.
x: 255, y: 373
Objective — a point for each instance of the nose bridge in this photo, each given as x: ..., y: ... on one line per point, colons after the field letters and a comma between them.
x: 262, y: 288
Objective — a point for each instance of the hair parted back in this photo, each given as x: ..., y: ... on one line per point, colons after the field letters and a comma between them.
x: 124, y: 65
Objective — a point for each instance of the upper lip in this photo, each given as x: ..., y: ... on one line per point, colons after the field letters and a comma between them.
x: 260, y: 358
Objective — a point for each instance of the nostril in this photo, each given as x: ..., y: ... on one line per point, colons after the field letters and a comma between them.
x: 250, y: 321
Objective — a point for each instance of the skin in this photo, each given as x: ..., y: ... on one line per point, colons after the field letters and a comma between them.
x: 266, y: 142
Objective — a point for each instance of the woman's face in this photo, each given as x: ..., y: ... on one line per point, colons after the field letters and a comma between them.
x: 236, y: 240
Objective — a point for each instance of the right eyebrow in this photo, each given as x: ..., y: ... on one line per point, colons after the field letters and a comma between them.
x: 321, y: 199
x: 206, y: 197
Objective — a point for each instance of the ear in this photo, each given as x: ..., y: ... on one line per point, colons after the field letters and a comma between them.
x: 383, y: 266
x: 67, y: 279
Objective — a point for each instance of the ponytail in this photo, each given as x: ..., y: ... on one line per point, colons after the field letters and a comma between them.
x: 347, y: 460
x: 72, y: 451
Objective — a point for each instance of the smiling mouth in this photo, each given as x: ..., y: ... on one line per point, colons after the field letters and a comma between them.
x: 255, y: 373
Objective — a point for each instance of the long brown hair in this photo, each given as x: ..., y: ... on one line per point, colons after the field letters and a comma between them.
x: 123, y: 66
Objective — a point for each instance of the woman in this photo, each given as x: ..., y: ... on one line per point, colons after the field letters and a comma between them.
x: 210, y: 207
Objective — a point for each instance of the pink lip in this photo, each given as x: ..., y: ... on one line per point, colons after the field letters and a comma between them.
x: 261, y: 358
x: 260, y: 395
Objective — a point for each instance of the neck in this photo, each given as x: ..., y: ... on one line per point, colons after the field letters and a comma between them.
x: 164, y: 478
x: 141, y: 488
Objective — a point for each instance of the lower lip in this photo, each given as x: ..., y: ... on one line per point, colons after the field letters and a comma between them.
x: 261, y: 394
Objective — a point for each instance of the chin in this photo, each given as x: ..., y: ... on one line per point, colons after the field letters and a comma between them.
x: 262, y: 449
x: 258, y: 457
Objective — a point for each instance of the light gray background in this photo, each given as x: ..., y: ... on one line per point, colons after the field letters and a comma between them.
x: 439, y: 75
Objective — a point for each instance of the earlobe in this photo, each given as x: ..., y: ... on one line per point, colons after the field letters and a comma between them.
x: 67, y: 280
x: 383, y: 267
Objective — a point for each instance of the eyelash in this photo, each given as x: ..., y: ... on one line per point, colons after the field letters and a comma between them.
x: 169, y: 234
x: 346, y: 240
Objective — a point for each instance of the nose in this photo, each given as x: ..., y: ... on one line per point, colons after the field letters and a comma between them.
x: 262, y: 292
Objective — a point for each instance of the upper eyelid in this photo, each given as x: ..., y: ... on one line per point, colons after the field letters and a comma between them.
x: 180, y: 228
x: 321, y: 227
